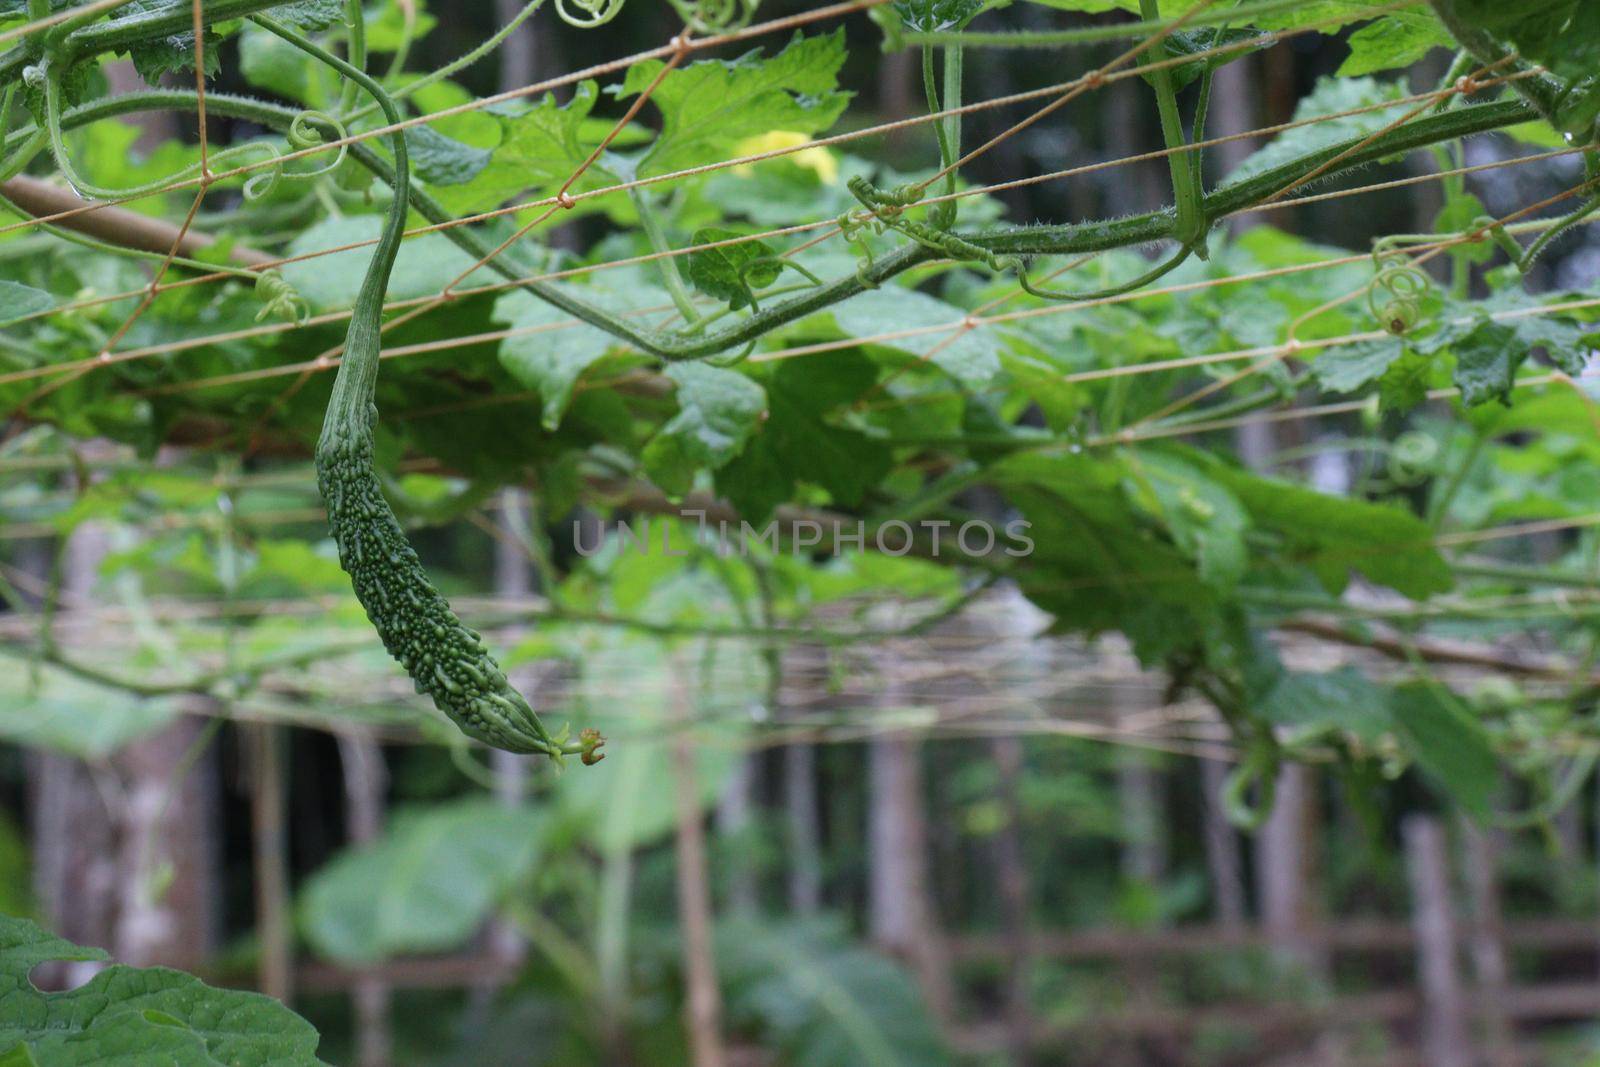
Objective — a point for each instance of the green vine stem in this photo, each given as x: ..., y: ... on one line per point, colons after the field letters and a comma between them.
x: 1190, y: 202
x: 1542, y: 91
x: 48, y: 75
x: 657, y: 236
x: 356, y: 18
x: 1122, y: 31
x: 1063, y: 239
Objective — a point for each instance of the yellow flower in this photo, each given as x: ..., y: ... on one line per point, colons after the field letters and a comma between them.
x: 816, y: 159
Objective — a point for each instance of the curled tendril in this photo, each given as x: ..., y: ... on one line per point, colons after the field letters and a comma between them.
x: 1413, y: 458
x: 1259, y: 768
x: 1395, y: 295
x: 280, y: 298
x: 303, y: 134
x: 715, y: 16
x: 746, y: 269
x: 590, y: 13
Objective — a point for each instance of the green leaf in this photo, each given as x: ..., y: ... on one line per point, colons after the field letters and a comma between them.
x: 269, y: 62
x: 798, y: 444
x: 424, y: 266
x: 1562, y: 35
x: 1487, y: 358
x: 1191, y: 42
x: 1449, y: 744
x: 725, y: 272
x: 972, y: 357
x: 1394, y: 43
x: 1347, y: 368
x: 707, y: 108
x: 931, y: 16
x: 551, y: 355
x: 68, y: 715
x: 173, y: 54
x: 718, y: 411
x: 1460, y: 214
x: 1206, y: 520
x: 540, y: 147
x: 440, y: 160
x: 1405, y: 384
x: 125, y: 1015
x: 310, y: 14
x: 819, y: 1000
x: 1339, y: 701
x: 1331, y: 96
x: 18, y: 301
x: 426, y: 885
x: 1334, y: 535
x: 1096, y: 565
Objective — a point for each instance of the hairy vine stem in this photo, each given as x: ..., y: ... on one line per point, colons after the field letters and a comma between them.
x: 1063, y: 239
x: 1188, y: 200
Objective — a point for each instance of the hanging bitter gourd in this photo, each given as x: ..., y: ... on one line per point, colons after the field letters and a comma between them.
x: 445, y: 659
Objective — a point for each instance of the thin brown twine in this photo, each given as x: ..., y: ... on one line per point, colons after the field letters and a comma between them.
x: 333, y: 317
x: 153, y: 290
x: 562, y: 199
x: 1293, y: 345
x: 758, y: 157
x: 1433, y: 95
x: 608, y: 67
x: 681, y: 49
x: 827, y: 346
x: 586, y: 269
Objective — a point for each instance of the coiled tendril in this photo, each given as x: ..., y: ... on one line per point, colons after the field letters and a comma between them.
x: 280, y: 298
x: 303, y: 134
x: 715, y: 16
x: 590, y: 13
x: 1413, y: 458
x: 1396, y: 293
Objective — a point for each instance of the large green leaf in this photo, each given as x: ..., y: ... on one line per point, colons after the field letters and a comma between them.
x: 718, y: 410
x: 707, y: 108
x: 66, y: 714
x: 1335, y: 535
x: 548, y: 352
x: 1563, y: 35
x: 329, y: 280
x: 426, y: 885
x: 139, y: 1018
x: 1331, y: 96
x: 1449, y: 744
x: 19, y: 301
x: 1340, y: 701
x: 971, y: 356
x: 822, y: 1001
x: 798, y: 442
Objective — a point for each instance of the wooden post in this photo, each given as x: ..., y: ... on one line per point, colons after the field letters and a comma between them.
x: 71, y: 825
x: 513, y: 578
x: 734, y: 818
x: 900, y: 905
x: 270, y: 859
x: 802, y: 814
x: 365, y: 783
x: 1224, y: 857
x: 1446, y: 1041
x: 1480, y: 863
x: 1011, y: 871
x: 703, y: 1005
